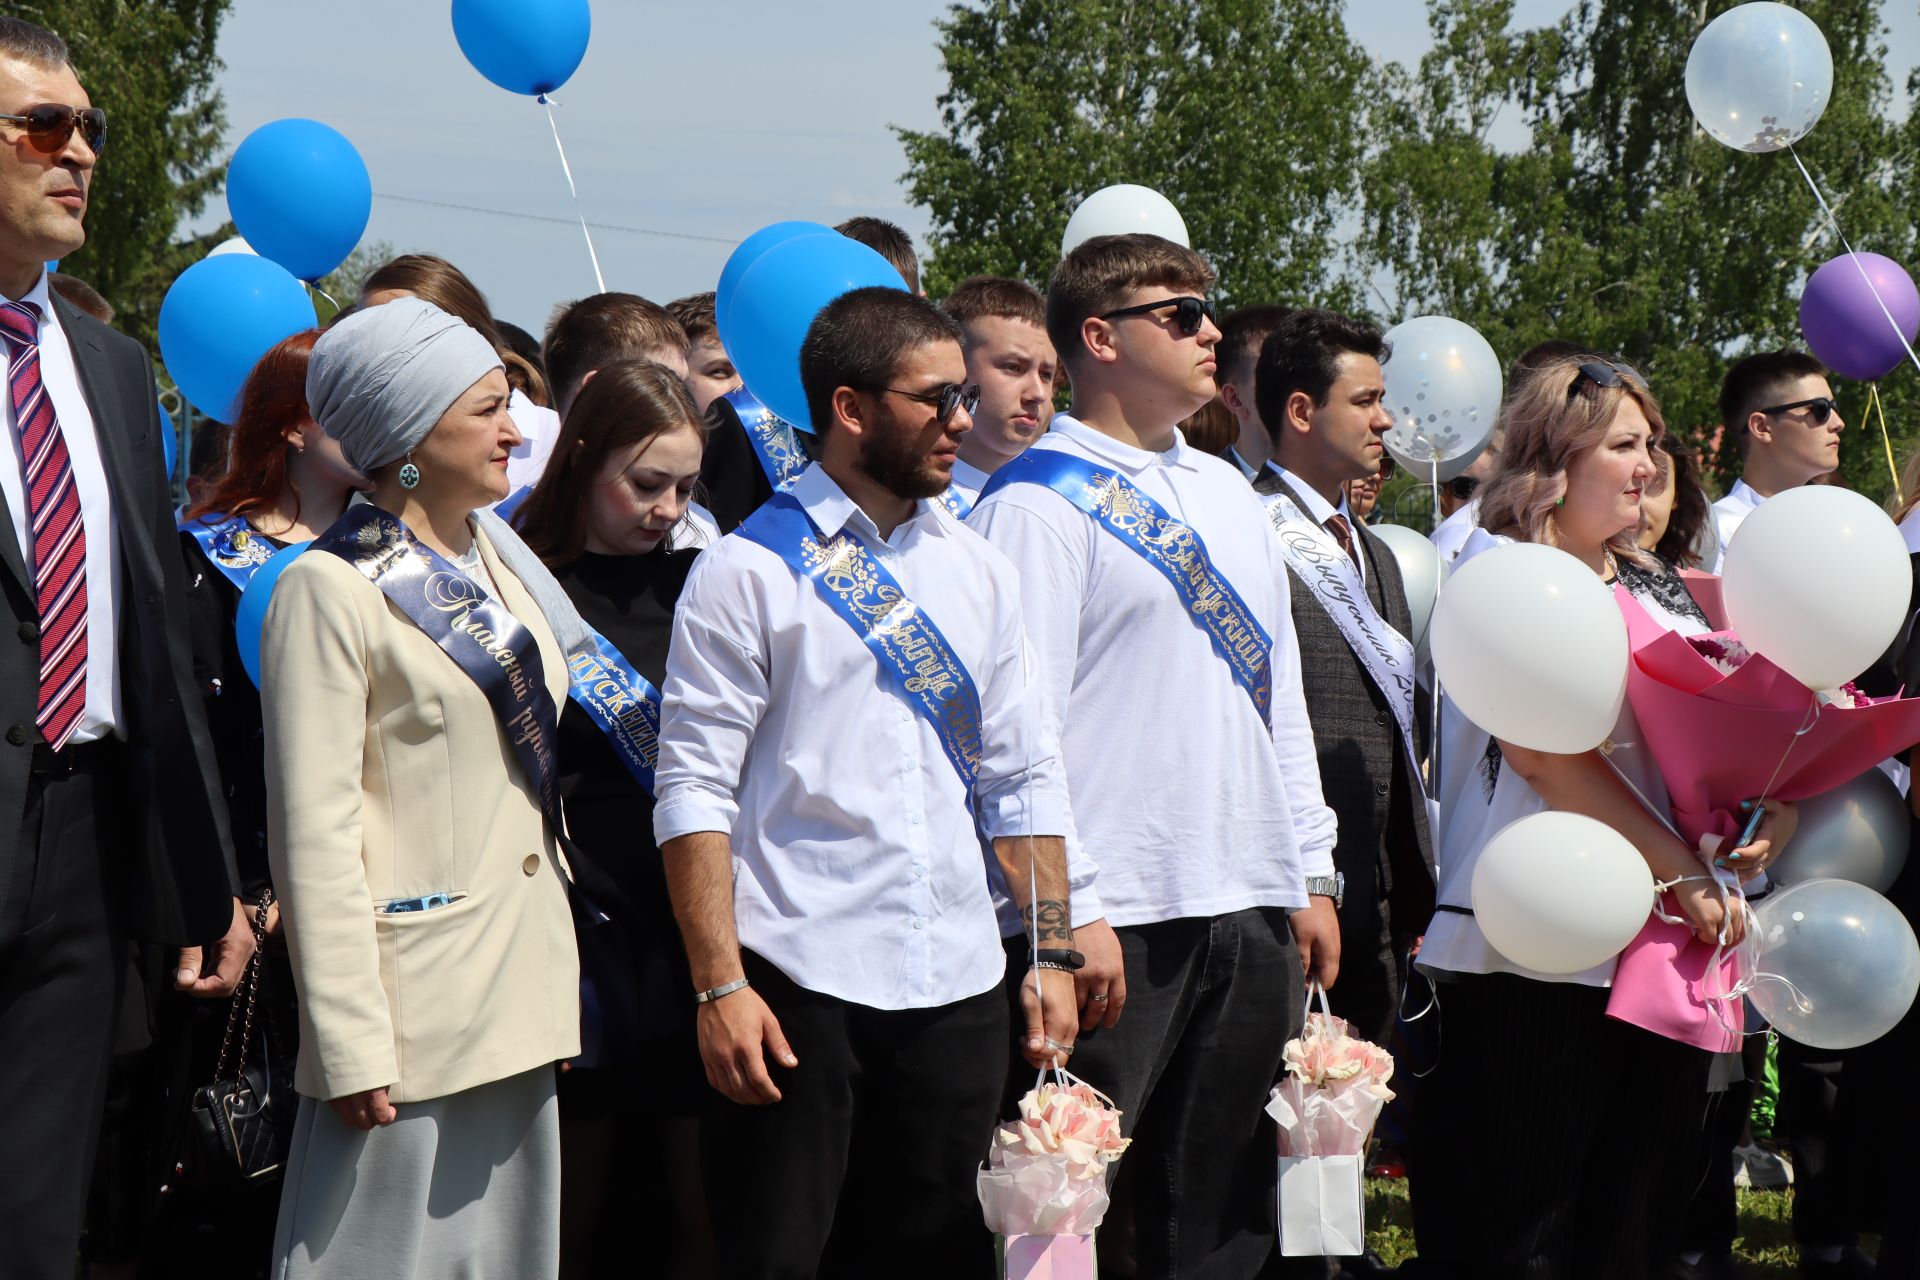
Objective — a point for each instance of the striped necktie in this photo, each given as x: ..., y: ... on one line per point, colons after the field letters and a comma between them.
x: 59, y: 536
x: 1343, y: 534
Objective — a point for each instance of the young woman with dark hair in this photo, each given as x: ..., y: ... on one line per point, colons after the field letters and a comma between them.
x: 622, y: 473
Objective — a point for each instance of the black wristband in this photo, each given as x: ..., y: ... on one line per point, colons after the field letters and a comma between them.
x: 1060, y: 957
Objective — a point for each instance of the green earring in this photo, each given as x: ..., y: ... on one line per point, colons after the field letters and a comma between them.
x: 410, y: 474
x: 1561, y: 503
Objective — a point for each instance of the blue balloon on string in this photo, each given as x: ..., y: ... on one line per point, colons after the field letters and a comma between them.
x: 775, y: 303
x: 300, y: 195
x: 524, y: 46
x: 748, y: 252
x: 219, y: 317
x: 250, y: 616
x: 169, y: 442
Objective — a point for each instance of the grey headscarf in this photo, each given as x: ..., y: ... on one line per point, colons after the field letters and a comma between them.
x: 378, y: 382
x: 380, y: 379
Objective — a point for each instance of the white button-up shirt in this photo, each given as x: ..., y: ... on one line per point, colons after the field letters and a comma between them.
x: 102, y: 714
x: 1188, y: 803
x: 1729, y: 512
x: 539, y: 428
x: 857, y: 868
x: 969, y: 479
x: 1454, y: 531
x: 1319, y: 511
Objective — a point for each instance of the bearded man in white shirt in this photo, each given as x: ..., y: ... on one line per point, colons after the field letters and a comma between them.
x: 1158, y: 604
x: 1781, y: 406
x: 846, y: 707
x: 1003, y: 332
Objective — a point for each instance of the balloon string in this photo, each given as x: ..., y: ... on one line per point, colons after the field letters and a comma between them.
x: 1878, y: 411
x: 1439, y: 582
x: 315, y: 286
x: 1860, y: 266
x: 567, y: 169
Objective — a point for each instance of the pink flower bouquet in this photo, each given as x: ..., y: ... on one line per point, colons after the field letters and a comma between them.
x: 1724, y: 725
x: 1046, y: 1172
x: 1334, y: 1089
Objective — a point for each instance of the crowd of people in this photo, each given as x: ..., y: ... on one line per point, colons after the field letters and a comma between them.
x: 647, y: 835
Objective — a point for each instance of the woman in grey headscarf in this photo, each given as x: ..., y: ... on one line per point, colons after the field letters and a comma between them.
x: 411, y: 665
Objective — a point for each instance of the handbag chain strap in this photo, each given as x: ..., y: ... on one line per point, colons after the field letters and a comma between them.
x: 249, y: 995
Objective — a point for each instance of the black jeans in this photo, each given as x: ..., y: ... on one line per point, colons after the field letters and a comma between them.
x: 867, y: 1163
x: 1210, y: 1005
x: 63, y: 962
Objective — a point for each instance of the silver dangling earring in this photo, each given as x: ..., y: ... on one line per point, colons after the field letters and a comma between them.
x: 409, y: 474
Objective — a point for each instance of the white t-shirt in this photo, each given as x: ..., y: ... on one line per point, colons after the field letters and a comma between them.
x: 1481, y: 795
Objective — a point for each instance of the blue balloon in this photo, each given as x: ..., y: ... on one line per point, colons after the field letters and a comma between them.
x: 300, y: 195
x: 748, y: 252
x: 221, y: 315
x: 169, y: 442
x: 525, y: 46
x: 775, y: 303
x: 250, y: 616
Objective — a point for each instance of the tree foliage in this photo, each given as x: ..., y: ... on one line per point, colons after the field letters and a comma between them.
x: 150, y: 64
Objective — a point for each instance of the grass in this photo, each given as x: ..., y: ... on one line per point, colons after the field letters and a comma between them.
x: 1764, y: 1247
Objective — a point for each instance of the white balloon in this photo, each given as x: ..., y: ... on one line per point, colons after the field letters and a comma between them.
x: 1560, y: 893
x: 1530, y: 646
x: 1839, y: 965
x: 234, y: 244
x: 1817, y: 580
x: 1759, y: 76
x: 1124, y: 209
x: 1421, y: 571
x: 1443, y: 388
x: 1858, y: 832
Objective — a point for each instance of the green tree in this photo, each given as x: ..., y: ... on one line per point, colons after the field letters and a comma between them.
x: 150, y: 64
x: 1239, y: 111
x: 1620, y: 223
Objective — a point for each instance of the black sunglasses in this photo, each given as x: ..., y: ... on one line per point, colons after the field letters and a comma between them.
x: 948, y: 398
x: 1605, y: 373
x: 1821, y: 407
x: 48, y: 125
x: 1188, y: 312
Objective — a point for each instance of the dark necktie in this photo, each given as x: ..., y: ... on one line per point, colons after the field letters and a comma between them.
x: 59, y: 536
x: 1343, y: 534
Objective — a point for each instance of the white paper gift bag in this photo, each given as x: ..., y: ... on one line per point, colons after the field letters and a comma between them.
x: 1322, y: 1207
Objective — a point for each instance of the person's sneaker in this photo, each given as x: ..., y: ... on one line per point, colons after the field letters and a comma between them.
x: 1854, y: 1263
x: 1762, y: 1168
x: 1712, y: 1266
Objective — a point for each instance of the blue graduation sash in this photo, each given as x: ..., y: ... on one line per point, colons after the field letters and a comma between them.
x: 482, y: 638
x: 1172, y: 548
x: 913, y: 655
x: 956, y: 502
x: 772, y: 438
x: 231, y: 546
x: 622, y: 703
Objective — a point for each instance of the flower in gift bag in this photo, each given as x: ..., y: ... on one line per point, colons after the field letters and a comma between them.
x: 1334, y: 1089
x: 1046, y: 1171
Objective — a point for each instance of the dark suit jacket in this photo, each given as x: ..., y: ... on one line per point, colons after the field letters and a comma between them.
x: 179, y: 857
x: 730, y: 472
x: 1364, y: 772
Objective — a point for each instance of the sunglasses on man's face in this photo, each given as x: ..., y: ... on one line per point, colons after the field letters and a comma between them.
x: 1188, y: 312
x: 1819, y: 408
x: 48, y: 126
x: 945, y: 398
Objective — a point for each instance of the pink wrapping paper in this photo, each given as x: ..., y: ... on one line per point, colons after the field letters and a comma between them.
x: 1049, y: 1258
x: 1717, y: 739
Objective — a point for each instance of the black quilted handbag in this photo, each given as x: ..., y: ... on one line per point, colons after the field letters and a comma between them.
x: 244, y: 1119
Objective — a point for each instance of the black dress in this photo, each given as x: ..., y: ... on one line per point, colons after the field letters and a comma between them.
x: 636, y: 989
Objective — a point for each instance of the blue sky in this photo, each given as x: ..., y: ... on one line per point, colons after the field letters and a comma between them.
x: 703, y: 120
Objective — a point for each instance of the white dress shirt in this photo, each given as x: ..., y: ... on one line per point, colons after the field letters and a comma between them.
x: 969, y: 479
x: 539, y: 428
x: 1453, y: 532
x: 857, y: 868
x: 1247, y: 469
x: 102, y: 715
x: 1189, y: 805
x: 1729, y: 512
x: 1471, y: 813
x: 1319, y: 511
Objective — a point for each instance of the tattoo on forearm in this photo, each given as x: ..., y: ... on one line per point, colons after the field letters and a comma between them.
x: 1046, y: 920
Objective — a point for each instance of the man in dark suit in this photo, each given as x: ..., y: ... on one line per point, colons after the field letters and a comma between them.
x: 1319, y: 391
x: 104, y: 758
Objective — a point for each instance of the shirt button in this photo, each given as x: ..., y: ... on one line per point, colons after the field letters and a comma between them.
x: 914, y: 818
x: 1379, y: 788
x: 19, y: 734
x: 29, y: 632
x: 919, y: 924
x: 531, y: 864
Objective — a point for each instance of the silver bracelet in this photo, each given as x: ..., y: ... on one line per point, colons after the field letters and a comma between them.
x: 1050, y: 964
x: 724, y: 989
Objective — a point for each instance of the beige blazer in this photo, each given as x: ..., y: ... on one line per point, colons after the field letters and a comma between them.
x: 389, y: 777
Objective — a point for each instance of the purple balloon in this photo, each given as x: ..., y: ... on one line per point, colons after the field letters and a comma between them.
x: 1844, y: 325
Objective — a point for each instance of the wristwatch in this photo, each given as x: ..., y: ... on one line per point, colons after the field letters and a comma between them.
x: 1059, y: 958
x: 1333, y: 886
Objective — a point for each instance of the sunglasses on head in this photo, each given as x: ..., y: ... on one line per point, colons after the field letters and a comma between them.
x: 48, y: 126
x: 1605, y: 373
x: 1821, y: 407
x: 946, y: 398
x: 1188, y: 312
